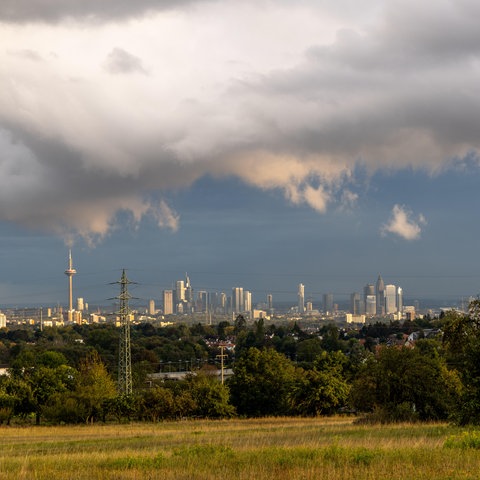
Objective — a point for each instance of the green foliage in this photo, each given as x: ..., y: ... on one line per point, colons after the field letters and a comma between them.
x: 461, y: 341
x: 210, y: 396
x: 402, y: 384
x: 157, y: 403
x: 261, y: 382
x: 466, y: 440
x: 323, y: 389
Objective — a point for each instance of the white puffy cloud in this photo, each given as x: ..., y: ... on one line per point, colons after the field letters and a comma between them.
x: 403, y: 224
x: 284, y: 95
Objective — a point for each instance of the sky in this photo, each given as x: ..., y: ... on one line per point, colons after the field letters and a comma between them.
x: 256, y: 143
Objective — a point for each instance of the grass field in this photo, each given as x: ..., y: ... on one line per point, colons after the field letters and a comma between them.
x: 273, y: 449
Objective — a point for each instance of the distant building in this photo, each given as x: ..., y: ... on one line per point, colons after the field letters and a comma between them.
x: 222, y: 302
x: 350, y: 318
x: 390, y: 299
x: 247, y: 301
x: 370, y: 305
x: 301, y: 298
x: 328, y: 306
x: 168, y: 302
x: 400, y: 300
x: 270, y: 302
x: 355, y: 303
x: 369, y: 290
x: 80, y: 304
x: 151, y: 307
x: 380, y: 294
x: 3, y: 320
x: 237, y: 300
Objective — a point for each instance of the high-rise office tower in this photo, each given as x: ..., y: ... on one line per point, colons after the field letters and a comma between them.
x: 202, y: 301
x: 380, y: 293
x: 301, y: 298
x: 237, y: 300
x: 371, y: 305
x: 355, y: 303
x: 80, y: 304
x: 390, y: 299
x: 168, y: 302
x: 368, y: 289
x: 328, y: 303
x: 400, y: 300
x: 213, y: 301
x: 188, y: 291
x: 247, y: 301
x: 270, y: 302
x: 151, y: 307
x: 222, y: 302
x: 179, y: 291
x: 70, y: 272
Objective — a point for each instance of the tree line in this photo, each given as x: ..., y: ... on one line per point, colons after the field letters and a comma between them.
x: 67, y: 375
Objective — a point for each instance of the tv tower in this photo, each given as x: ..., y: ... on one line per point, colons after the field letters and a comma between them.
x: 70, y: 272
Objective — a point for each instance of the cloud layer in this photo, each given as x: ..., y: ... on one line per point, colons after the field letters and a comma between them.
x: 108, y: 116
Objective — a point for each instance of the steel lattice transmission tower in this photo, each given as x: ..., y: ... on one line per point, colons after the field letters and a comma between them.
x: 125, y: 348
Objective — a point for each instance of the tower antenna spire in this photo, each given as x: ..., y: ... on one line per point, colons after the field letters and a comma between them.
x: 70, y: 272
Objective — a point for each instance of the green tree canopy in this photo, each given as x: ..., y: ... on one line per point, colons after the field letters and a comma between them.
x: 261, y: 382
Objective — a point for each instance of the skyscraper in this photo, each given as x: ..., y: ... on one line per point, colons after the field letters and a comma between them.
x: 151, y: 307
x: 270, y: 302
x: 369, y: 289
x: 247, y: 301
x: 237, y: 299
x: 179, y: 291
x: 380, y: 293
x: 370, y: 305
x: 168, y: 302
x: 80, y: 304
x: 301, y: 298
x: 328, y: 303
x: 400, y: 300
x: 179, y: 296
x: 188, y: 291
x: 390, y: 299
x: 355, y: 303
x: 222, y: 302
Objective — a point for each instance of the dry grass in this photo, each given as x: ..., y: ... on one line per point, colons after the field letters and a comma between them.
x: 270, y: 449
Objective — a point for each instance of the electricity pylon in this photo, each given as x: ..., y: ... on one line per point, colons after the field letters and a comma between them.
x: 125, y: 347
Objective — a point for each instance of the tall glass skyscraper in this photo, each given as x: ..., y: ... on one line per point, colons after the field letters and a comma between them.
x: 301, y: 298
x: 380, y: 293
x: 390, y: 299
x: 237, y: 300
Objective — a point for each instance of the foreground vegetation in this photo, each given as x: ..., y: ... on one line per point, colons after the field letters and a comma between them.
x: 54, y: 380
x: 281, y: 448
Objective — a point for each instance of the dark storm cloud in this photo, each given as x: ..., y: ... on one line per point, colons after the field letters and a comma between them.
x: 399, y: 90
x: 95, y: 10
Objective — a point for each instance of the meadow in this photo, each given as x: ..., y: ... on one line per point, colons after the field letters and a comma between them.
x: 271, y: 449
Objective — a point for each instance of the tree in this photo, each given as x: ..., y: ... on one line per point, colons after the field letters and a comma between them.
x: 94, y: 388
x: 210, y: 396
x: 402, y: 384
x: 322, y: 390
x: 157, y: 403
x: 261, y: 382
x: 461, y: 341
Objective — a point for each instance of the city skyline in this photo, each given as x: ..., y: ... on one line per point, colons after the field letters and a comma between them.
x: 323, y: 144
